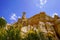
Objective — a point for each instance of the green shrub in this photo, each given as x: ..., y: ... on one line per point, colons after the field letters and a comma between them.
x: 13, y: 34
x: 32, y: 36
x: 2, y: 22
x: 3, y: 34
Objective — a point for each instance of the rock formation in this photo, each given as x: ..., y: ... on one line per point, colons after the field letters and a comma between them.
x: 46, y: 24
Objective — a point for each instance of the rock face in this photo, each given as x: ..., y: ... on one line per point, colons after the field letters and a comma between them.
x: 40, y: 17
x: 43, y: 22
x: 34, y: 20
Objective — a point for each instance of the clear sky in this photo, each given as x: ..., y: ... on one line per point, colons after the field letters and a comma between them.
x: 12, y: 9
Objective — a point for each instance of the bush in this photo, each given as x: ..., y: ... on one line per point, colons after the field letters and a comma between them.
x: 13, y: 34
x: 3, y: 34
x: 32, y: 35
x: 42, y: 37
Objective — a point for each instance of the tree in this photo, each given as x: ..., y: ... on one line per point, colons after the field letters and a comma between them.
x: 2, y: 22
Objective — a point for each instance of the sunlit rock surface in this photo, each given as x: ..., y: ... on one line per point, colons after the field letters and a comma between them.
x: 41, y: 21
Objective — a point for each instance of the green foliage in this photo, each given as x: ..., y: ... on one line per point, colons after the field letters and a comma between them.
x: 42, y: 37
x: 2, y: 22
x: 49, y: 38
x: 33, y: 36
x: 13, y: 34
x: 10, y: 34
x: 3, y: 34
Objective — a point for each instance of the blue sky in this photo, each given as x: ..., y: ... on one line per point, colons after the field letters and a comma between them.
x: 12, y: 9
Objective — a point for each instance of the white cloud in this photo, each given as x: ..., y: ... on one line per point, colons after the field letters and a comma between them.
x: 13, y: 17
x: 54, y: 14
x: 42, y: 2
x: 3, y: 17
